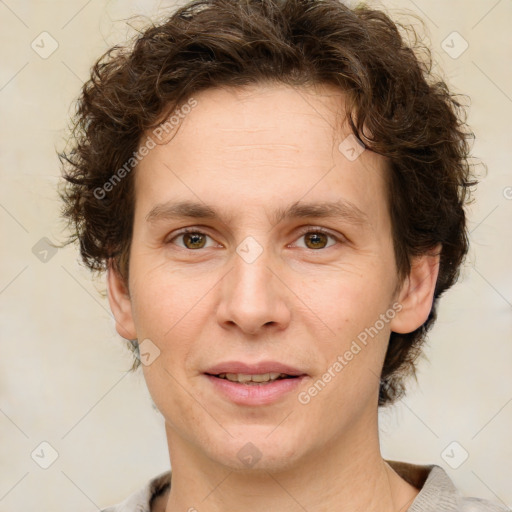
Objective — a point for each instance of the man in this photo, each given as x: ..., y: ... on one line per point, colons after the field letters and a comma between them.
x: 276, y: 192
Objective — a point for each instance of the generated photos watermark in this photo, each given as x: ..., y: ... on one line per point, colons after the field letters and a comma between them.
x: 159, y: 133
x: 335, y: 368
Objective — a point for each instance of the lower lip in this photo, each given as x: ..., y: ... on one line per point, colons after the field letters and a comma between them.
x: 255, y: 394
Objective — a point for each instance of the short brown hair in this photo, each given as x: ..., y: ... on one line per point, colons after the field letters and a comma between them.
x: 413, y: 118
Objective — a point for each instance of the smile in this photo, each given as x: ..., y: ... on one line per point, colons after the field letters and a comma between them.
x: 254, y: 389
x: 261, y: 378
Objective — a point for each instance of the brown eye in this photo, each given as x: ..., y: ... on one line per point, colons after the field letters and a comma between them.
x: 317, y: 239
x: 192, y: 240
x: 196, y: 240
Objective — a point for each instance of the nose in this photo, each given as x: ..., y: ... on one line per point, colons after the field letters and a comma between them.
x: 254, y: 297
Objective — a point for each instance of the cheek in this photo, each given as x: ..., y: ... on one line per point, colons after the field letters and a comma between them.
x: 165, y: 387
x: 355, y: 341
x: 346, y: 302
x: 165, y: 300
x: 170, y: 319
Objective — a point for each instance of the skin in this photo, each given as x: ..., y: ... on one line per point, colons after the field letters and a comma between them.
x: 246, y: 152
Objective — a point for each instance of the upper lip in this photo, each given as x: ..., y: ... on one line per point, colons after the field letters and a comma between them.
x: 253, y: 369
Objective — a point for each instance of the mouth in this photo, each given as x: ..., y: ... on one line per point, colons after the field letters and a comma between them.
x: 254, y: 384
x: 262, y: 371
x: 254, y: 379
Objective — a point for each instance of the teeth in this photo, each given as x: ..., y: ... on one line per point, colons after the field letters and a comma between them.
x: 244, y: 378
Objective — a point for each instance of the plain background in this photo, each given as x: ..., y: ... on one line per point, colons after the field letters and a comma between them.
x: 63, y: 369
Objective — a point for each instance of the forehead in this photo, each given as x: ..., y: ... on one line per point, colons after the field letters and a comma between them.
x: 260, y: 144
x: 269, y: 116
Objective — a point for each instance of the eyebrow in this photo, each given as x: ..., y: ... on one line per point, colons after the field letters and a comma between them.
x: 341, y: 209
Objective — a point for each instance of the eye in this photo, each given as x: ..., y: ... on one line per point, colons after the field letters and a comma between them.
x: 317, y: 238
x: 192, y: 239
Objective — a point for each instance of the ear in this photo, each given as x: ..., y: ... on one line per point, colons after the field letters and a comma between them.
x: 416, y: 294
x: 120, y: 304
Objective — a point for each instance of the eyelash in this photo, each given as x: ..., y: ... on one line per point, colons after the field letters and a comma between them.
x: 303, y: 232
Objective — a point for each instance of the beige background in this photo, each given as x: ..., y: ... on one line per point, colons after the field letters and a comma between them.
x: 63, y: 370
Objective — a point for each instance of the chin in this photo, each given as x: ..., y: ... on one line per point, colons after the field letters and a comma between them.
x: 254, y: 449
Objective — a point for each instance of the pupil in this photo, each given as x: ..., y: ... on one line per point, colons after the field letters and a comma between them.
x: 314, y: 238
x: 194, y: 237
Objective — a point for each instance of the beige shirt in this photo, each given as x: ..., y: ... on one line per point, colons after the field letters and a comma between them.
x: 437, y: 492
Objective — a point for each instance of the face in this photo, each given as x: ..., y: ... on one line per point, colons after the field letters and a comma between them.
x: 286, y: 264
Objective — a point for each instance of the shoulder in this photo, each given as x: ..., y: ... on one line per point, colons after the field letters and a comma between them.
x: 480, y: 505
x: 438, y: 492
x: 141, y: 500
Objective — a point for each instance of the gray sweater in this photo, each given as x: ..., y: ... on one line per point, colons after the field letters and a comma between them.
x: 437, y: 492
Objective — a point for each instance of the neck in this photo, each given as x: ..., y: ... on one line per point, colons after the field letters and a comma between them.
x: 347, y: 475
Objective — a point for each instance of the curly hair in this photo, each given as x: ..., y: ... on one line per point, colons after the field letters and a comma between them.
x: 395, y: 105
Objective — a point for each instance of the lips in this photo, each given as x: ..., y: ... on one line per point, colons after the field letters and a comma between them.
x: 249, y: 393
x: 261, y: 378
x: 238, y: 367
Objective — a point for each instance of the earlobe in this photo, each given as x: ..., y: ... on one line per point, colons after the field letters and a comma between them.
x: 417, y: 293
x: 120, y: 304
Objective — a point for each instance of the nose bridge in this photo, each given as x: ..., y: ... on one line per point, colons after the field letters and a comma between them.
x: 251, y: 296
x: 251, y: 267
